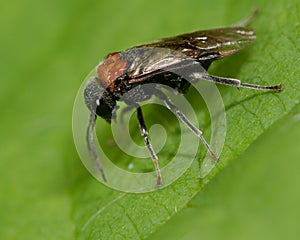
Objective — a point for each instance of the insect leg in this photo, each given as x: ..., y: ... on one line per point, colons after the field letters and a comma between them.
x: 187, y: 122
x: 144, y: 134
x: 237, y: 83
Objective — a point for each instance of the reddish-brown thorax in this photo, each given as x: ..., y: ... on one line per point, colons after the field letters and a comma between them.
x: 110, y: 69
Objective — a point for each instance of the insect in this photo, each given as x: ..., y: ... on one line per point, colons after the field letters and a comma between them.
x: 155, y: 62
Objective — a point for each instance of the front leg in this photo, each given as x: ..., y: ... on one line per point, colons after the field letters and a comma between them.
x: 144, y: 134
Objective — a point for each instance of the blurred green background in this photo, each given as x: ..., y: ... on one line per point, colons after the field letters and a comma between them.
x: 48, y: 47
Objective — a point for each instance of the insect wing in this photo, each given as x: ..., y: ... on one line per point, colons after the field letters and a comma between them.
x: 208, y: 44
x: 152, y: 61
x: 182, y: 51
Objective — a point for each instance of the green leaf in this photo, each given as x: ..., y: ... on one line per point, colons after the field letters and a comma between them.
x: 256, y: 197
x: 47, y: 48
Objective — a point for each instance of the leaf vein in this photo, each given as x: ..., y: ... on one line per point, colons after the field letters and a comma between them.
x: 97, y: 213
